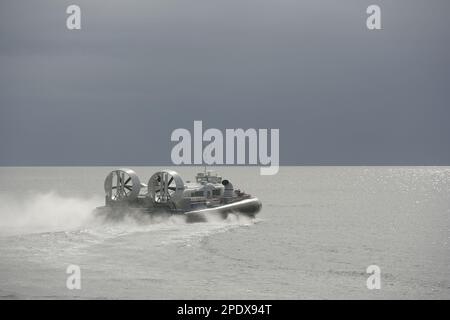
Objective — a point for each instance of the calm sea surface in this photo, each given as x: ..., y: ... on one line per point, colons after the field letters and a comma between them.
x: 320, y: 228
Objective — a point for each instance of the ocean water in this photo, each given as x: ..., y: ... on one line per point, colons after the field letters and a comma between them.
x: 318, y: 231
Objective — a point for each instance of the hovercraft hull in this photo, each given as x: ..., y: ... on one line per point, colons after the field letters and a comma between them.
x: 247, y: 207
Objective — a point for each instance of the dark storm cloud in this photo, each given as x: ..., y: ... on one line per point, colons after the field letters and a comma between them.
x: 113, y: 92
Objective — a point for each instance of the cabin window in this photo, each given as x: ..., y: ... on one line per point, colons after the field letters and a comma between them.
x: 216, y: 192
x: 197, y: 194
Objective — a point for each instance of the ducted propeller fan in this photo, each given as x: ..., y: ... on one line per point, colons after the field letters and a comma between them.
x: 122, y: 184
x: 165, y: 186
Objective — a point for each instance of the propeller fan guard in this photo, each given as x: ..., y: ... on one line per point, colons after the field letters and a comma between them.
x: 165, y: 186
x: 122, y: 184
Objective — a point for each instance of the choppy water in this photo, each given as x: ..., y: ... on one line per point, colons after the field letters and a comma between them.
x: 319, y: 229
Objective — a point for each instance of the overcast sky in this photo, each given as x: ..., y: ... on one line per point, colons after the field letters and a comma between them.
x: 112, y: 93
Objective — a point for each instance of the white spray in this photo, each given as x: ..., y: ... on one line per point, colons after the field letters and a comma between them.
x: 44, y: 212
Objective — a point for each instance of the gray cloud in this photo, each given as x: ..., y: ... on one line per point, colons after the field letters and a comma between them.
x: 112, y: 92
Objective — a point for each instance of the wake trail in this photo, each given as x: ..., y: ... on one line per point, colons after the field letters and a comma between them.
x: 44, y: 212
x: 51, y: 212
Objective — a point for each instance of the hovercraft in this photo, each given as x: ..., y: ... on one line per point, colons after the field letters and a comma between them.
x: 167, y: 193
